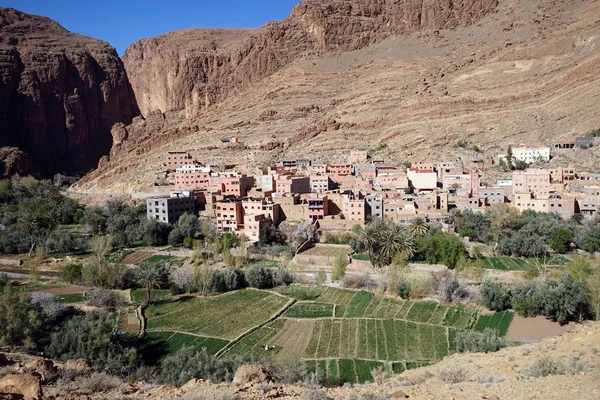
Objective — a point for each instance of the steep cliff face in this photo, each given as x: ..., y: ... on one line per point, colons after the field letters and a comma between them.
x: 195, y: 68
x: 60, y: 94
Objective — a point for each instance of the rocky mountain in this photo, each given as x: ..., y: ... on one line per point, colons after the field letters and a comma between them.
x: 60, y: 94
x: 526, y: 72
x: 195, y: 68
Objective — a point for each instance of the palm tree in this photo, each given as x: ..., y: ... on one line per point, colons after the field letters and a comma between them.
x: 149, y: 279
x: 418, y: 227
x: 29, y: 223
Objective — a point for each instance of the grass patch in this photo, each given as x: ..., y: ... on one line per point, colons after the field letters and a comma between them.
x: 520, y: 264
x: 360, y: 257
x: 164, y: 343
x: 72, y: 298
x: 139, y: 295
x: 265, y: 263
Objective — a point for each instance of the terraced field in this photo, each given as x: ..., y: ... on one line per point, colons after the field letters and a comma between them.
x: 342, y: 334
x: 520, y: 264
x: 226, y: 316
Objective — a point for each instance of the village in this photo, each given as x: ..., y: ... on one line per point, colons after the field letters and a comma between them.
x: 341, y: 195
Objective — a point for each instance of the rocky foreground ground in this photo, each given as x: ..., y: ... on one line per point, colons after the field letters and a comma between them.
x: 562, y: 367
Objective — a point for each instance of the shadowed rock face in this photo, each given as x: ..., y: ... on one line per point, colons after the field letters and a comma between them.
x: 195, y: 68
x: 60, y: 94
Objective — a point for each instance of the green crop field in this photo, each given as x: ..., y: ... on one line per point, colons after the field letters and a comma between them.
x: 520, y: 264
x: 164, y: 343
x: 342, y: 334
x: 225, y: 316
x: 72, y: 298
x: 500, y: 320
x: 310, y: 310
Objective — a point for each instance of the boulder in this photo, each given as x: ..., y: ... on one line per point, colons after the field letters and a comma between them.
x: 251, y: 375
x: 26, y: 385
x: 82, y: 366
x: 43, y: 368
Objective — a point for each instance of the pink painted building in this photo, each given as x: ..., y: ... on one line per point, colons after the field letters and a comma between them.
x: 337, y: 171
x: 536, y: 181
x: 292, y: 184
x: 318, y: 207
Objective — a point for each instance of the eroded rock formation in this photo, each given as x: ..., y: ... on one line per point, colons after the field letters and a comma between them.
x: 195, y: 68
x: 60, y: 94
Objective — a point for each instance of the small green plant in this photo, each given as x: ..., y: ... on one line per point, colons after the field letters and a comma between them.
x: 379, y: 147
x: 339, y: 267
x: 476, y: 149
x: 544, y: 366
x: 403, y: 289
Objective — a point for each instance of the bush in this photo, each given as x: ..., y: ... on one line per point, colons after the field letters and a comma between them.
x: 544, y: 366
x: 188, y: 363
x: 22, y: 323
x: 452, y: 375
x: 102, y: 298
x: 176, y: 237
x: 90, y: 336
x: 282, y: 277
x: 449, y: 288
x: 403, y: 289
x: 97, y: 383
x: 339, y: 267
x: 188, y: 242
x: 494, y: 295
x: 526, y: 307
x: 472, y: 342
x: 126, y: 278
x: 561, y: 239
x: 70, y: 273
x: 259, y: 277
x: 355, y: 282
x: 235, y: 279
x: 157, y: 233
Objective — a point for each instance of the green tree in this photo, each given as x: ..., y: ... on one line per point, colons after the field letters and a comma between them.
x: 561, y: 239
x: 339, y: 266
x: 148, y: 278
x: 176, y: 237
x: 22, y: 324
x: 91, y: 336
x: 495, y: 295
x: 259, y: 277
x: 418, y: 227
x: 97, y: 271
x: 71, y: 273
x: 270, y: 235
x: 189, y: 225
x: 580, y: 267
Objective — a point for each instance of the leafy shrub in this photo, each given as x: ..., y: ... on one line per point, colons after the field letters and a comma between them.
x: 403, y: 289
x: 526, y: 307
x: 235, y: 279
x: 91, y: 336
x: 494, y: 295
x: 259, y: 277
x: 355, y: 282
x: 126, y: 278
x: 282, y: 277
x: 70, y: 273
x: 22, y: 323
x: 339, y: 267
x: 176, y: 237
x: 487, y: 342
x: 177, y: 369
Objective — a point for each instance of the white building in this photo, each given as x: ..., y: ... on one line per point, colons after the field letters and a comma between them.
x: 529, y: 155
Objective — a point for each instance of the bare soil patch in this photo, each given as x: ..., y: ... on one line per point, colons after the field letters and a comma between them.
x: 531, y: 329
x: 70, y: 289
x: 137, y: 257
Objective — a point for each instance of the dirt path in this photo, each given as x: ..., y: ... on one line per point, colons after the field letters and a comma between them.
x: 532, y: 329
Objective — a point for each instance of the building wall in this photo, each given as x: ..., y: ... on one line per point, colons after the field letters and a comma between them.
x: 422, y: 180
x: 230, y: 216
x: 169, y: 209
x: 536, y: 181
x: 178, y: 159
x: 319, y: 183
x: 354, y: 210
